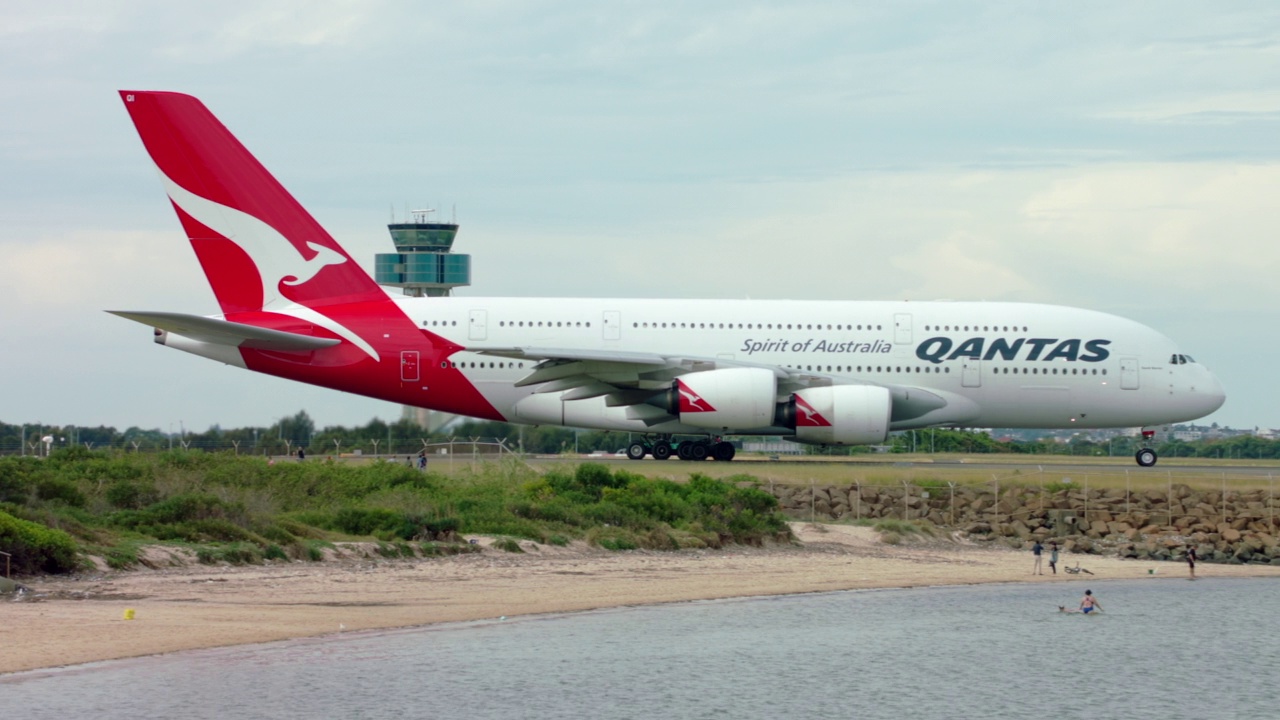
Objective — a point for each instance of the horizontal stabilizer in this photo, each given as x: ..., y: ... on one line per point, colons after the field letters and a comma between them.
x: 222, y: 332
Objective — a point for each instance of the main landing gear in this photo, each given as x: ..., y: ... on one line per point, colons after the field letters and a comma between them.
x: 1146, y: 457
x: 701, y: 449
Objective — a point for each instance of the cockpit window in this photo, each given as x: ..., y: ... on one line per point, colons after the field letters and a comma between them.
x: 1174, y: 360
x: 1188, y: 359
x: 1180, y: 359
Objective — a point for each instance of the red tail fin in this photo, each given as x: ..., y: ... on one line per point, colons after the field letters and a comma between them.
x: 257, y: 245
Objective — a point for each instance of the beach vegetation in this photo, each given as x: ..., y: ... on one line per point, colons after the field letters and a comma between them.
x: 895, y: 532
x: 238, y: 509
x: 507, y: 544
x: 36, y: 548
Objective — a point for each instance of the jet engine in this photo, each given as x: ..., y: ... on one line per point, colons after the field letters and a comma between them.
x: 733, y: 398
x: 840, y: 415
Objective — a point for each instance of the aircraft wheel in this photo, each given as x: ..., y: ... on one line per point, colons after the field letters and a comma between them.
x: 682, y: 450
x: 698, y: 451
x: 1146, y: 457
x: 723, y: 451
x: 636, y: 451
x: 661, y: 451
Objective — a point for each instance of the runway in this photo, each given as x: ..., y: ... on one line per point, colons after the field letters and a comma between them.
x: 1053, y: 464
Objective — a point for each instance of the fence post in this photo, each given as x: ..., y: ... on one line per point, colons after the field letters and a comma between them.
x: 1086, y: 498
x: 953, y: 502
x: 995, y: 506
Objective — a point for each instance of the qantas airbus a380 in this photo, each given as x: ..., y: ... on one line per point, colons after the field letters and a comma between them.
x: 296, y: 305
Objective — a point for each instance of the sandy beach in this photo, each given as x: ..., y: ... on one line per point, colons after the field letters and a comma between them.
x: 79, y: 620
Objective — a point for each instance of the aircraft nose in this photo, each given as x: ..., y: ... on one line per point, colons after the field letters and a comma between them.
x: 1209, y: 394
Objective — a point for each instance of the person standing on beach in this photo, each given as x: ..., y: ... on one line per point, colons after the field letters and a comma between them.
x: 1191, y: 560
x: 1053, y: 557
x: 1038, y: 551
x: 1089, y: 603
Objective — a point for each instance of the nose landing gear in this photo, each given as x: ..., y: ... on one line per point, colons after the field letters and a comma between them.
x: 1146, y: 457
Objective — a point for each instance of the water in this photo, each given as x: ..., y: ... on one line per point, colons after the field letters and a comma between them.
x: 1167, y: 649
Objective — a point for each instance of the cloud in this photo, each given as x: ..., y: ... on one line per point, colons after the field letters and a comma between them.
x: 59, y: 276
x: 1218, y: 109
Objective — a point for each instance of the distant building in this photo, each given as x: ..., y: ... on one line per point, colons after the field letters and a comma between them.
x: 773, y: 447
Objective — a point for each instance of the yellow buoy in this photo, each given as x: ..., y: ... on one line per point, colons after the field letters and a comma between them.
x: 128, y: 614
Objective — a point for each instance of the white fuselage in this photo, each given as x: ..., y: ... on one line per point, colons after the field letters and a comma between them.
x: 1014, y: 364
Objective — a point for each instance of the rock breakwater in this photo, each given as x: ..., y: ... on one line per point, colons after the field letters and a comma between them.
x: 1224, y: 527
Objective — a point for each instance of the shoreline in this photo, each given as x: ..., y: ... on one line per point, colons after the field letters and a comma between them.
x: 81, y: 620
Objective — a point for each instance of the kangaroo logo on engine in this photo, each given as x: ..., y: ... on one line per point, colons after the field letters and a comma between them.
x: 938, y: 349
x: 690, y: 401
x: 807, y: 416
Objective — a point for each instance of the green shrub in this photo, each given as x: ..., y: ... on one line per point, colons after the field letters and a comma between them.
x: 131, y: 495
x: 508, y: 544
x: 122, y: 557
x: 274, y: 552
x: 365, y: 521
x: 314, y: 551
x: 36, y: 548
x: 234, y: 554
x: 57, y: 490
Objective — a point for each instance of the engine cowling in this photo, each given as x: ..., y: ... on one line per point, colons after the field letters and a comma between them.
x: 841, y: 415
x: 733, y: 398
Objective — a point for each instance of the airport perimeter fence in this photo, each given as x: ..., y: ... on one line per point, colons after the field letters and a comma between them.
x: 1081, y: 498
x: 474, y: 448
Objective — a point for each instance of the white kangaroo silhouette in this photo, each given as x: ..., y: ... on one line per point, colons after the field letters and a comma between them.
x: 698, y: 403
x: 277, y: 259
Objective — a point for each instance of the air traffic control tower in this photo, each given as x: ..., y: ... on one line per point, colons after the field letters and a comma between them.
x: 423, y: 263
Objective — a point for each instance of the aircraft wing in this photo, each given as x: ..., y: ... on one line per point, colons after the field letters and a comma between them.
x: 629, y: 379
x: 223, y: 332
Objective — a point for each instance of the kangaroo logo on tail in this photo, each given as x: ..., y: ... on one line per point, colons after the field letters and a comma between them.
x: 278, y: 261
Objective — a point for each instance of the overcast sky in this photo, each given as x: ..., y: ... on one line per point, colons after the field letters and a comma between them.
x: 1120, y: 157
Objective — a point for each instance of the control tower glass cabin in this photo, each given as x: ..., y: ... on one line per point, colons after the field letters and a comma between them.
x: 423, y: 264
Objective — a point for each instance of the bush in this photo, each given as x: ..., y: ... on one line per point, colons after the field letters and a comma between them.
x: 63, y: 491
x: 508, y: 544
x: 365, y: 521
x: 122, y: 557
x: 36, y: 548
x: 130, y: 495
x: 234, y: 554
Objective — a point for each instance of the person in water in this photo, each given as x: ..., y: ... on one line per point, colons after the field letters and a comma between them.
x: 1089, y: 603
x: 1191, y: 560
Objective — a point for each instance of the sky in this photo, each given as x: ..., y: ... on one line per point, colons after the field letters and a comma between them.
x: 1123, y: 157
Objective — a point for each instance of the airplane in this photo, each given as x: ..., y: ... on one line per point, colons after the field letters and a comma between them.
x: 295, y: 305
